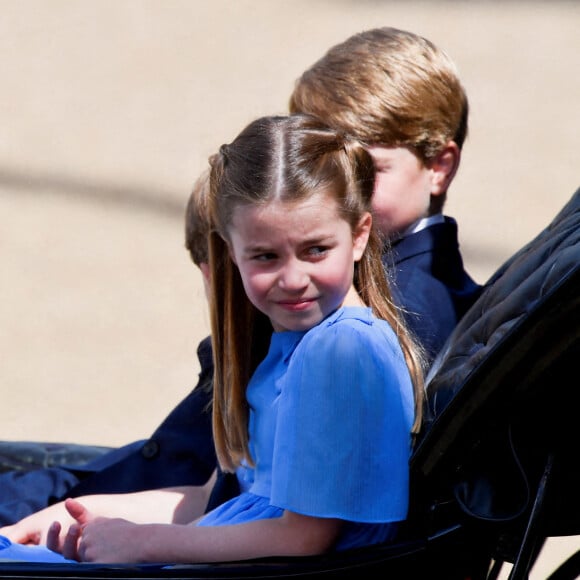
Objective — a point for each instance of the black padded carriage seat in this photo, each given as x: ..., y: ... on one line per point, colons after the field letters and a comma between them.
x: 494, y: 472
x: 501, y: 443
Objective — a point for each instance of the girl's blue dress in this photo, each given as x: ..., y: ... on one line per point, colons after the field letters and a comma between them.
x: 331, y: 411
x: 10, y: 552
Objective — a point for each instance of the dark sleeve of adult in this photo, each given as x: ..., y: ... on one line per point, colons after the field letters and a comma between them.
x: 26, y: 492
x: 430, y: 282
x: 180, y: 452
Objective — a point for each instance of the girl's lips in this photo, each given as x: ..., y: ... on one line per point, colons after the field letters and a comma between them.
x: 296, y: 306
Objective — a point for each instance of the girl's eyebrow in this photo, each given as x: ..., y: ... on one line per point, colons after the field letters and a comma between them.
x: 312, y: 241
x: 256, y: 249
x: 318, y: 240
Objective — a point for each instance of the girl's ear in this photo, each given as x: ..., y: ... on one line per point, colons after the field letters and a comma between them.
x: 444, y: 167
x: 205, y: 272
x: 231, y: 253
x: 361, y: 235
x: 204, y: 267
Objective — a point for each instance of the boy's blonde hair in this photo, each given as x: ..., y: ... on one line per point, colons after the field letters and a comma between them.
x: 197, y: 222
x: 287, y: 159
x: 387, y: 87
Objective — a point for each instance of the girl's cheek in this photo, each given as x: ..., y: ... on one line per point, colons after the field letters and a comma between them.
x: 259, y: 282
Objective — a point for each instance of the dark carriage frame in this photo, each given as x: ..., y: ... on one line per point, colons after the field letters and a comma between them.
x: 494, y: 472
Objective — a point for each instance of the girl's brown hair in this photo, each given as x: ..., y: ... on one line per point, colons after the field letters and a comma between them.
x: 288, y: 159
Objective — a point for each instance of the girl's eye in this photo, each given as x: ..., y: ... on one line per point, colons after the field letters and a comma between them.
x: 317, y: 250
x: 266, y: 257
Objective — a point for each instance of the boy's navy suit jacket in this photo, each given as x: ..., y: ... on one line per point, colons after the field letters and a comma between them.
x: 429, y: 281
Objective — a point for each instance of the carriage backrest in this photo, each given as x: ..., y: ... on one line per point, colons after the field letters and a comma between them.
x: 499, y: 396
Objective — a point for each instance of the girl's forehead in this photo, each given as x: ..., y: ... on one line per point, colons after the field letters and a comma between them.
x: 313, y: 211
x: 316, y: 199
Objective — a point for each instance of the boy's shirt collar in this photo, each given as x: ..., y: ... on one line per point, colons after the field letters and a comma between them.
x: 422, y: 223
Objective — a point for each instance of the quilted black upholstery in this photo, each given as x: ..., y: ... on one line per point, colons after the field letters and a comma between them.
x: 501, y: 396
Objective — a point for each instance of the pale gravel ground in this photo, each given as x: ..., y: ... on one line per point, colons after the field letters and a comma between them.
x: 108, y: 111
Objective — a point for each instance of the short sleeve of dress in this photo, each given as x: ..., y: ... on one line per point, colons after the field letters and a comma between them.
x: 345, y: 412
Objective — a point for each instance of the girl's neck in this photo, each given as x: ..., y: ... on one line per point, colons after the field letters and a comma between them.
x: 352, y: 298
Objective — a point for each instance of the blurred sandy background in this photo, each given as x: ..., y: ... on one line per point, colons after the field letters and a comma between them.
x: 109, y: 110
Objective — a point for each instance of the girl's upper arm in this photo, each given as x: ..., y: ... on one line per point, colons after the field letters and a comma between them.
x: 347, y: 413
x: 310, y: 535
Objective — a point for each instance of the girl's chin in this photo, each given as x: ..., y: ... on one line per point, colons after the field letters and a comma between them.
x: 294, y: 324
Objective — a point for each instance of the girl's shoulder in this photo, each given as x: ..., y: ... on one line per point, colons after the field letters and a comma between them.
x: 358, y: 318
x: 349, y: 329
x: 350, y: 343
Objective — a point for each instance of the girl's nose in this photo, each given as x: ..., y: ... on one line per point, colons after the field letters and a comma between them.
x: 293, y: 276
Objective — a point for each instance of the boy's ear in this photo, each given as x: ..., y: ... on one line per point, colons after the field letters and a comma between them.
x: 444, y: 167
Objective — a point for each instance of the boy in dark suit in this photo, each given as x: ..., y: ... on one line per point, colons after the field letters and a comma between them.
x: 401, y: 95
